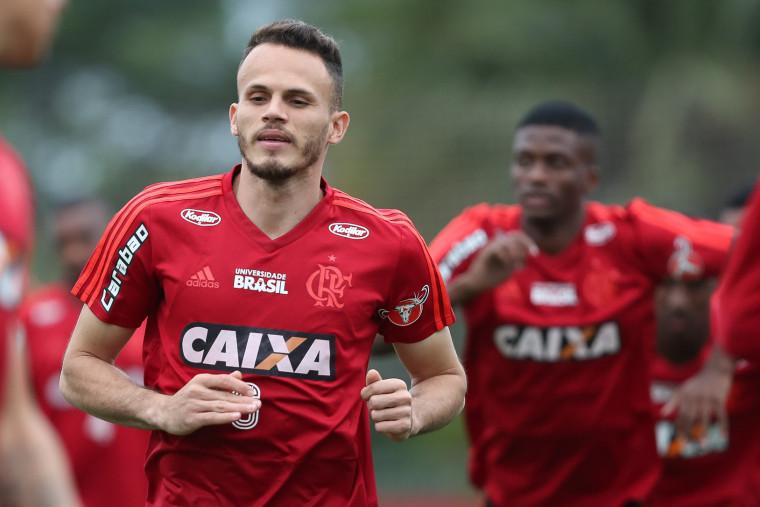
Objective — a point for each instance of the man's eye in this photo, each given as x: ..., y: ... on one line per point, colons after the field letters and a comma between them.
x: 524, y: 160
x: 556, y: 161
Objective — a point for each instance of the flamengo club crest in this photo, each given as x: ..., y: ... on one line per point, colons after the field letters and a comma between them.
x: 326, y: 285
x: 407, y: 311
x: 685, y: 263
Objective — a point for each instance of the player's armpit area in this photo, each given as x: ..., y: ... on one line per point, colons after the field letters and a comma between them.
x: 380, y: 347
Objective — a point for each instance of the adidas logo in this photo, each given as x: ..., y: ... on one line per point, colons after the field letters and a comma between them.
x: 203, y: 278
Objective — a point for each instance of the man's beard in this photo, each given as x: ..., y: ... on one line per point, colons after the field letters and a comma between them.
x: 275, y: 172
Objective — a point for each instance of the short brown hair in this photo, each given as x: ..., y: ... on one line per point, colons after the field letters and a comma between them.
x: 296, y: 34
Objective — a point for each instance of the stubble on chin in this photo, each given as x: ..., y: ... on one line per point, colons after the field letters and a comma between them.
x: 276, y: 173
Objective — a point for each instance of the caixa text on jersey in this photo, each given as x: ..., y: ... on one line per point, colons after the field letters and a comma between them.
x: 276, y: 352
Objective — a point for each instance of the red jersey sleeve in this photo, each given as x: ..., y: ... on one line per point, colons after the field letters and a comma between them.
x: 417, y: 304
x: 454, y: 248
x: 738, y: 297
x: 671, y: 244
x: 118, y: 282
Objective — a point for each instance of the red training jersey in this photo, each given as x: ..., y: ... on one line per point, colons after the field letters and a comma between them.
x: 707, y: 467
x: 106, y: 459
x: 297, y: 315
x: 738, y: 297
x: 558, y: 409
x: 16, y: 221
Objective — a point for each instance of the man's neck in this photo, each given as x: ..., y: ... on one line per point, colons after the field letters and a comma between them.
x: 554, y: 236
x: 680, y: 349
x: 275, y: 208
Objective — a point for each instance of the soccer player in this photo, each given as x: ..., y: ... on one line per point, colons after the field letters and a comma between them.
x: 558, y: 297
x: 32, y: 465
x: 264, y: 289
x: 106, y: 459
x: 709, y: 464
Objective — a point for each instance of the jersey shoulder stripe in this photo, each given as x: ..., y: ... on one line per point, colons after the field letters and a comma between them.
x: 398, y: 218
x: 441, y: 296
x: 162, y: 192
x: 498, y: 212
x: 184, y: 183
x: 117, y: 231
x: 718, y: 236
x: 463, y: 225
x: 386, y: 215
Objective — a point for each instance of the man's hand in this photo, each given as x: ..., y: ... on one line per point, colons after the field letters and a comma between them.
x: 390, y: 406
x: 700, y: 399
x: 502, y: 256
x: 206, y: 400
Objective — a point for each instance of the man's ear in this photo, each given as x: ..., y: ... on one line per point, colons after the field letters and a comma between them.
x: 338, y: 127
x: 233, y: 118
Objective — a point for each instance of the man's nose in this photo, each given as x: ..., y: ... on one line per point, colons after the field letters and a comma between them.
x: 275, y: 111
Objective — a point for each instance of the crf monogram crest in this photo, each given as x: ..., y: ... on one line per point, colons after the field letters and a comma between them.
x: 407, y: 311
x: 327, y: 285
x: 685, y: 263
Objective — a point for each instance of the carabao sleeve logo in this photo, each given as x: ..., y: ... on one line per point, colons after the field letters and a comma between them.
x: 123, y: 261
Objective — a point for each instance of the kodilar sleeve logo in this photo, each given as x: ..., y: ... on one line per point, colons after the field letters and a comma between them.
x: 123, y: 260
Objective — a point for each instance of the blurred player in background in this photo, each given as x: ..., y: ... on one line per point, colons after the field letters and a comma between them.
x: 264, y: 289
x: 737, y: 303
x: 558, y: 297
x: 32, y: 465
x: 106, y: 459
x: 708, y: 464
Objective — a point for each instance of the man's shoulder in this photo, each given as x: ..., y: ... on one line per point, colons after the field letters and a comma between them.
x: 360, y: 219
x: 636, y: 208
x: 181, y: 194
x: 182, y: 190
x: 503, y: 216
x: 599, y: 212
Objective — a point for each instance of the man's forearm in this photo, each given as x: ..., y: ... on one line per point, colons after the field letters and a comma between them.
x: 101, y: 389
x: 462, y: 290
x: 437, y: 400
x: 719, y: 360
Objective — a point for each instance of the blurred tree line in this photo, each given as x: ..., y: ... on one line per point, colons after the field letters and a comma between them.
x: 137, y: 91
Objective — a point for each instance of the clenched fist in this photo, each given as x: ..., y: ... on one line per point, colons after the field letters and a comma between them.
x: 390, y: 406
x: 503, y: 255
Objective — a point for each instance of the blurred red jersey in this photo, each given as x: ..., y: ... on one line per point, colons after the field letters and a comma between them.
x: 16, y: 234
x: 738, y: 297
x: 707, y: 467
x: 297, y: 315
x: 106, y: 459
x: 558, y: 355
